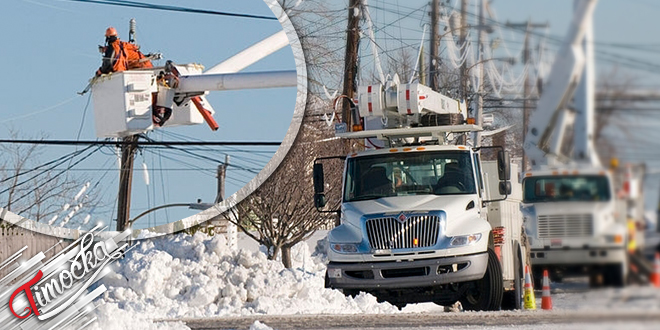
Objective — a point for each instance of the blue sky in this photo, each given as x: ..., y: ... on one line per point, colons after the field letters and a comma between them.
x: 50, y: 51
x: 634, y: 23
x: 625, y: 36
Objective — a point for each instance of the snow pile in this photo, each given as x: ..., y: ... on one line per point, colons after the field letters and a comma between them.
x: 198, y: 276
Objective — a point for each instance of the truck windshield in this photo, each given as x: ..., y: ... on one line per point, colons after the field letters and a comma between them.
x: 409, y: 173
x: 566, y: 188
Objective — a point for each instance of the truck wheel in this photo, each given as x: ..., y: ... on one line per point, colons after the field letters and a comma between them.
x: 513, y: 298
x: 596, y: 278
x: 486, y: 293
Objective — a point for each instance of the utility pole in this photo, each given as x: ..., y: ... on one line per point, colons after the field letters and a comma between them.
x: 128, y: 147
x: 527, y: 89
x: 420, y: 69
x: 221, y: 175
x: 351, y: 59
x: 434, y: 46
x: 462, y: 42
x: 480, y: 88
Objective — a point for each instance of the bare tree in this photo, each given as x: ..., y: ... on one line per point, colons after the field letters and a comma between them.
x: 36, y: 194
x: 281, y: 213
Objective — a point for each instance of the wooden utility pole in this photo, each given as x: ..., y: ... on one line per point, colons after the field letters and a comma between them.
x: 526, y: 95
x: 527, y: 89
x: 420, y: 69
x: 480, y: 99
x: 434, y: 46
x: 351, y: 59
x: 221, y: 175
x: 128, y: 147
x: 462, y: 42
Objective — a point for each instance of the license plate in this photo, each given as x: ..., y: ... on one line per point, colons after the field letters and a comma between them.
x: 334, y: 272
x: 555, y: 242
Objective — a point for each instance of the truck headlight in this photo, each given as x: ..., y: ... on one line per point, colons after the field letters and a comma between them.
x: 618, y: 239
x: 465, y: 240
x: 344, y: 248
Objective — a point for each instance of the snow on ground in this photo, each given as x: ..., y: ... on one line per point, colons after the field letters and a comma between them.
x: 188, y: 276
x: 575, y: 296
x: 198, y: 276
x: 556, y: 326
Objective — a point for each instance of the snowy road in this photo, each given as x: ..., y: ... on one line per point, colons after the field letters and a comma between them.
x: 195, y: 282
x: 483, y: 320
x: 575, y: 307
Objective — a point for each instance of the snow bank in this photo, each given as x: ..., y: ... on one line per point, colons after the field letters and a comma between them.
x: 198, y: 276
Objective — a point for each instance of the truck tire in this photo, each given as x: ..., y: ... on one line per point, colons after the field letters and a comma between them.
x: 486, y: 293
x: 513, y: 298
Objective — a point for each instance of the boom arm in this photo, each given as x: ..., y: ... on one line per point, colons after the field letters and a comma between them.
x: 558, y: 90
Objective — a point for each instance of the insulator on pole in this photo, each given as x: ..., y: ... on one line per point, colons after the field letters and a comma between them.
x: 131, y: 30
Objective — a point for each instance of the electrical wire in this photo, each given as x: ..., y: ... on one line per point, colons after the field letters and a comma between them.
x: 144, y: 5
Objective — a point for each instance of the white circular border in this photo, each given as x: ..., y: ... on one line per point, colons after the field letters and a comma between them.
x: 282, y: 151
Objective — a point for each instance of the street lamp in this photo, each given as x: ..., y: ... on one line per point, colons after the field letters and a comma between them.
x: 193, y: 206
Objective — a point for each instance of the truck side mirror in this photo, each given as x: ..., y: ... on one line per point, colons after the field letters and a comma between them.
x: 503, y: 166
x: 505, y: 188
x: 319, y: 200
x: 318, y: 178
x: 319, y: 196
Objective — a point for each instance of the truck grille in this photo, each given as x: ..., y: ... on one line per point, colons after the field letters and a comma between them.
x: 417, y: 231
x: 566, y: 225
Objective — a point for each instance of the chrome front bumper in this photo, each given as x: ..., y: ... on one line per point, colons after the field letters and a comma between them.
x: 407, y: 274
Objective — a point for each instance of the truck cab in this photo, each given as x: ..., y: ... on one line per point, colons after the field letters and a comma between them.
x: 575, y: 225
x: 397, y: 206
x: 423, y: 222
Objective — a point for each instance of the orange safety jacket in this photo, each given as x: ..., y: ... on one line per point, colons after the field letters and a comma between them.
x: 124, y: 56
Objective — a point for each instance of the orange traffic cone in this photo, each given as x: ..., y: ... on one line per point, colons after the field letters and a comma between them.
x: 655, y: 276
x: 546, y: 300
x: 528, y: 297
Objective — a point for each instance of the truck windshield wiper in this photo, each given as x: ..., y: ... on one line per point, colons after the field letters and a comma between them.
x: 368, y: 197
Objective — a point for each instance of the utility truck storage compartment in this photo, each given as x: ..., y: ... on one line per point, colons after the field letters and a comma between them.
x: 123, y: 103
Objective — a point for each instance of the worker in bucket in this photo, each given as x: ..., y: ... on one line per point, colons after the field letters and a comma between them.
x: 119, y: 55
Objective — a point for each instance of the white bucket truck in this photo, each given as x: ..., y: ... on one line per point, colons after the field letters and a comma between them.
x: 421, y: 218
x: 574, y: 221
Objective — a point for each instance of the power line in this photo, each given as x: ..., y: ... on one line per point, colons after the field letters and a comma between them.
x: 144, y: 5
x: 146, y: 143
x: 56, y: 175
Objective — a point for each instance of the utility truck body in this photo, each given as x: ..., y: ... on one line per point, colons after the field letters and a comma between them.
x: 424, y: 219
x: 575, y: 225
x: 573, y: 219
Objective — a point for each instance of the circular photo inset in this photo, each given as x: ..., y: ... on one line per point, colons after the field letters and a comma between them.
x: 157, y: 117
